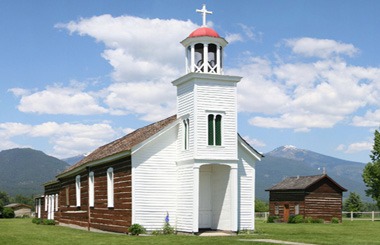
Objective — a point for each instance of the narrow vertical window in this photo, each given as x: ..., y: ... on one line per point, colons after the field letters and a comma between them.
x: 46, y: 203
x: 77, y: 190
x: 56, y: 202
x: 39, y: 208
x: 67, y: 196
x: 297, y: 209
x: 186, y: 129
x: 91, y: 189
x: 211, y: 129
x: 110, y: 186
x: 276, y: 210
x: 214, y: 129
x: 218, y: 130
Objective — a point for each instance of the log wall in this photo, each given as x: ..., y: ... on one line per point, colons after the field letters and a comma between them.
x: 117, y: 218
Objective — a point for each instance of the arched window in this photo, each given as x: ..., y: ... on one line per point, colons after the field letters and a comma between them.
x: 91, y: 189
x: 214, y: 129
x: 110, y: 186
x: 211, y: 129
x: 77, y: 190
x: 186, y: 129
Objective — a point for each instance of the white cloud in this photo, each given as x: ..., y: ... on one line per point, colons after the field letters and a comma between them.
x: 152, y: 100
x: 247, y: 33
x: 322, y: 48
x: 146, y: 55
x: 254, y: 142
x: 67, y: 139
x: 138, y: 49
x: 355, y: 147
x: 304, y: 95
x: 341, y: 147
x: 234, y: 37
x: 59, y: 100
x: 370, y: 119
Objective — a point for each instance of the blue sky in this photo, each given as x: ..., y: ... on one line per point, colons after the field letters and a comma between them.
x: 75, y: 75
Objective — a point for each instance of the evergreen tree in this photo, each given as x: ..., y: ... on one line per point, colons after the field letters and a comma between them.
x: 353, y: 203
x: 371, y: 172
x: 4, y: 198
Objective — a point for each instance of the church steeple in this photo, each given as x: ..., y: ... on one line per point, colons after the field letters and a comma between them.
x: 204, y: 48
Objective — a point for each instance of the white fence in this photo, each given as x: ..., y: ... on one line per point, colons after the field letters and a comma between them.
x: 261, y: 215
x: 361, y: 216
x: 345, y: 215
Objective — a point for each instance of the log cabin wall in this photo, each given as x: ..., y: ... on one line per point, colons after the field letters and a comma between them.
x: 50, y: 189
x: 280, y: 199
x: 100, y: 216
x: 324, y: 201
x: 320, y: 200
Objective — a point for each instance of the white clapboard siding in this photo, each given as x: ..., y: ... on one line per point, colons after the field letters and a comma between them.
x: 246, y: 182
x: 154, y: 181
x: 185, y: 108
x: 216, y: 97
x: 185, y: 215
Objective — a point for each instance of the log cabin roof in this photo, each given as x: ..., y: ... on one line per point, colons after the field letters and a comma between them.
x: 122, y: 144
x: 301, y: 183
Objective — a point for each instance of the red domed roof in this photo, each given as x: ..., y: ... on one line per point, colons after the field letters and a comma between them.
x: 204, y: 32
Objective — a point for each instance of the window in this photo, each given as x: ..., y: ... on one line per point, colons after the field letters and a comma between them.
x: 77, y: 190
x: 297, y: 209
x: 214, y: 129
x: 46, y: 203
x: 276, y: 210
x: 67, y: 196
x: 56, y: 202
x: 91, y: 189
x: 186, y: 129
x: 110, y: 201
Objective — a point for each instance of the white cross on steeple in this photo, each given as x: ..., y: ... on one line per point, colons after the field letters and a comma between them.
x: 204, y: 12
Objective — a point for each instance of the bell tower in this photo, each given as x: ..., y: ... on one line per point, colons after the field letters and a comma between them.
x: 206, y: 99
x: 204, y: 49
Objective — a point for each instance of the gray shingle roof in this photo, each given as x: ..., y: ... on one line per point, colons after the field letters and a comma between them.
x: 300, y: 183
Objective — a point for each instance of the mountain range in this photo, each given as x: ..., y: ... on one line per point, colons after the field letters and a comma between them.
x: 23, y: 171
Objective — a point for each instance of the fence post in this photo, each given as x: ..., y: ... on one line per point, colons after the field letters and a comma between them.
x: 352, y: 216
x: 373, y: 215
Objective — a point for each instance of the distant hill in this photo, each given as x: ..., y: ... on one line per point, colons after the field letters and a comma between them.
x: 287, y: 161
x: 23, y: 171
x: 73, y: 160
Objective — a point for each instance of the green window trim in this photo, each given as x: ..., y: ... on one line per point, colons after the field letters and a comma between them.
x: 214, y: 129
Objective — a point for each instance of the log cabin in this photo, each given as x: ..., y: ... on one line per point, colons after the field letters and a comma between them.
x: 317, y: 197
x: 193, y: 166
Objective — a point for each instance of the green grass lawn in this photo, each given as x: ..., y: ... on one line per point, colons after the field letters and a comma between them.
x: 23, y: 231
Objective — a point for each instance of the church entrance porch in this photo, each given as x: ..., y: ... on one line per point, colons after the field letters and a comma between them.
x: 216, y: 197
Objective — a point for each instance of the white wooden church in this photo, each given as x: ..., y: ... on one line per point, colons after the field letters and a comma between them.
x: 193, y: 166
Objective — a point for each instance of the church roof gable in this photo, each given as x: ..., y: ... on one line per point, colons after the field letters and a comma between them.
x: 122, y: 144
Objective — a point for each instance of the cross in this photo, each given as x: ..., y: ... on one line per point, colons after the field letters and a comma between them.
x: 204, y: 12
